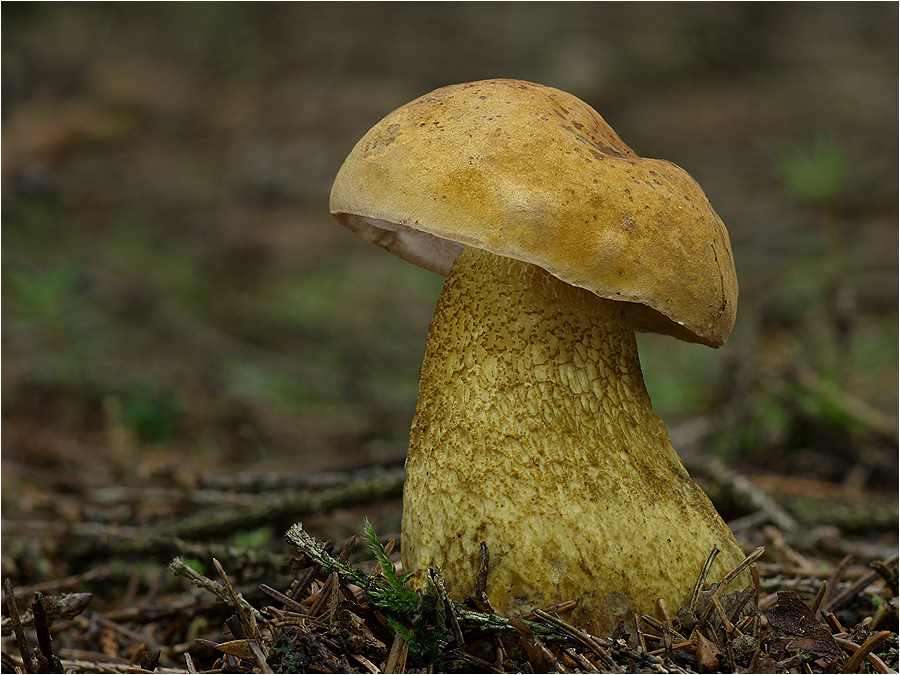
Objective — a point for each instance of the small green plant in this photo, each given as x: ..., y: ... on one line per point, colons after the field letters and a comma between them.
x: 395, y: 597
x: 51, y: 300
x: 255, y: 539
x: 44, y: 296
x: 421, y: 620
x: 814, y: 172
x: 153, y: 416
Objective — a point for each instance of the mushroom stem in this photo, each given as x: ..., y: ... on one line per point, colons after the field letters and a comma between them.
x: 534, y: 433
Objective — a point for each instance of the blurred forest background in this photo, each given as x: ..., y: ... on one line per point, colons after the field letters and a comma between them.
x: 177, y: 301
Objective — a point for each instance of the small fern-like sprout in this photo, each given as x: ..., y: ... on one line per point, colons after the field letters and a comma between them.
x: 395, y: 597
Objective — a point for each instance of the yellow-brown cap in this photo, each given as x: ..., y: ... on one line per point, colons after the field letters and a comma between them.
x: 533, y: 173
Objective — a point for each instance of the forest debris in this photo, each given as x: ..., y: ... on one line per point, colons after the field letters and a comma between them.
x: 101, y: 528
x: 479, y: 596
x: 150, y: 661
x: 701, y: 579
x: 239, y: 648
x: 351, y: 633
x: 707, y: 653
x: 13, y: 610
x: 276, y: 505
x: 90, y: 664
x: 820, y: 596
x: 47, y: 661
x: 777, y: 543
x: 879, y: 665
x: 791, y: 502
x: 834, y: 580
x: 531, y: 645
x: 581, y: 660
x: 217, y: 486
x: 858, y: 587
x: 248, y: 621
x: 327, y: 617
x: 864, y: 650
x: 396, y: 662
x: 65, y: 606
x: 580, y: 636
x: 890, y: 578
x: 740, y: 488
x: 98, y: 573
x: 286, y: 601
x: 854, y: 407
x: 179, y: 567
x: 795, y: 629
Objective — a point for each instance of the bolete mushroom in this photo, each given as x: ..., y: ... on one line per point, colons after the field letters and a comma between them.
x: 533, y: 431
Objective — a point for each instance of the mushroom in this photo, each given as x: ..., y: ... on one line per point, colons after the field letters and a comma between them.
x: 533, y: 431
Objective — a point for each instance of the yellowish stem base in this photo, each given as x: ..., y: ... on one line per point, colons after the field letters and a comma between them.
x: 534, y: 434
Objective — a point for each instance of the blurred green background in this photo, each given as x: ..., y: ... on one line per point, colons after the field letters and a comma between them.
x: 175, y: 295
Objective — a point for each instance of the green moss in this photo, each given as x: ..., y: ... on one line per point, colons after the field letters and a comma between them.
x: 815, y: 171
x: 255, y: 539
x: 152, y: 415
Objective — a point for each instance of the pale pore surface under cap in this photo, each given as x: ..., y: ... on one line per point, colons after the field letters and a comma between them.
x: 534, y: 433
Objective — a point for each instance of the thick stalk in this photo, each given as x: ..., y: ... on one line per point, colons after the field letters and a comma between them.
x: 534, y: 433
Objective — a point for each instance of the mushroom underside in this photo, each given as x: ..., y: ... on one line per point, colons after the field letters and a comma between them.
x: 534, y: 433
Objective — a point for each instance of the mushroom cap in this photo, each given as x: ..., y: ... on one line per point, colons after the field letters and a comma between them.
x: 533, y: 173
